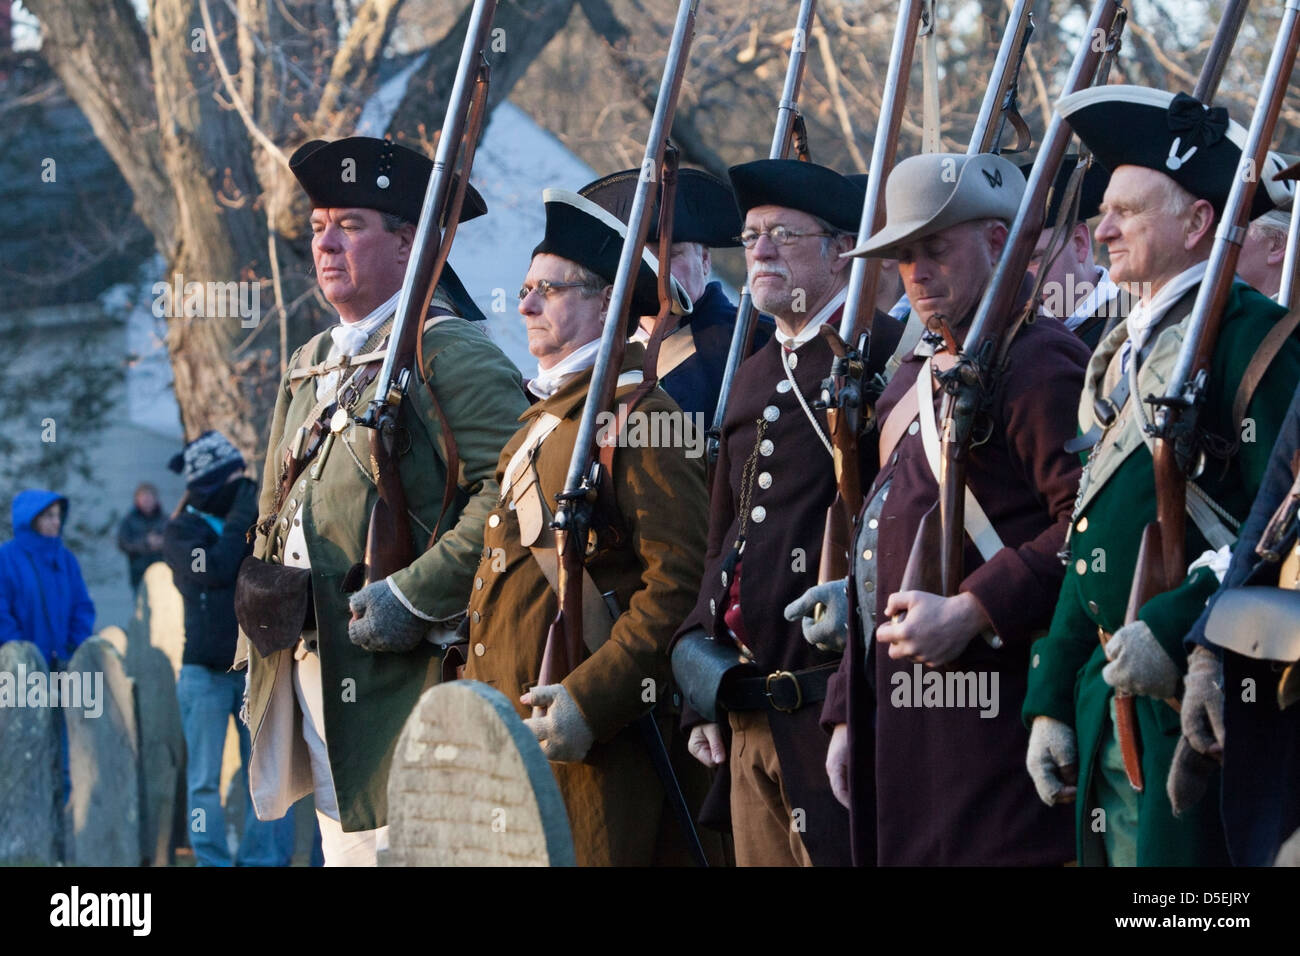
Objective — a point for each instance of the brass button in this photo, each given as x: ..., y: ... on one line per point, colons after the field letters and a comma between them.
x: 478, y: 584
x: 293, y: 503
x: 759, y: 514
x: 1035, y: 663
x: 284, y: 523
x: 866, y: 555
x: 724, y: 579
x: 765, y: 480
x: 713, y: 606
x: 765, y: 447
x: 479, y: 649
x: 475, y: 617
x: 494, y: 520
x: 793, y: 360
x: 913, y: 428
x: 783, y: 386
x: 1081, y: 566
x: 771, y: 413
x: 1082, y: 526
x: 868, y: 585
x: 873, y: 524
x: 302, y: 485
x: 1092, y: 607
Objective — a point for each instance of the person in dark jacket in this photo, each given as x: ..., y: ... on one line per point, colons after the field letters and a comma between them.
x: 43, y: 597
x: 139, y: 536
x: 204, y: 545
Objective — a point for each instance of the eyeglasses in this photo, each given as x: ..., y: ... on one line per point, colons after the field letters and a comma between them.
x: 780, y: 235
x: 546, y: 287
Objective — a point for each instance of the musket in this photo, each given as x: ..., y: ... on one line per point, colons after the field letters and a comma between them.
x: 1289, y: 290
x: 1179, y: 448
x: 789, y: 123
x: 846, y: 394
x: 573, y: 516
x: 999, y: 106
x: 389, y: 541
x: 969, y: 384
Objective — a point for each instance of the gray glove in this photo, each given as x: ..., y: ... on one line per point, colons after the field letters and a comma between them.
x: 381, y: 622
x: 1138, y: 664
x: 561, y: 731
x: 1053, y: 760
x: 1189, y: 776
x: 1202, y: 713
x: 830, y: 631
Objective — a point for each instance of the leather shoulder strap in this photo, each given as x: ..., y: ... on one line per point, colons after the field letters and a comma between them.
x: 1259, y: 363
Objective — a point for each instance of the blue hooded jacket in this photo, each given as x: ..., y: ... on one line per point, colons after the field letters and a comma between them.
x: 43, y: 597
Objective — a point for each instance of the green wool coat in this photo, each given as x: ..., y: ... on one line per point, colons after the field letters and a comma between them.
x: 614, y: 798
x: 1116, y: 501
x: 368, y: 696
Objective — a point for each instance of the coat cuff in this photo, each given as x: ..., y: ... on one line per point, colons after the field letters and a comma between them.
x: 1172, y: 614
x: 1010, y: 595
x: 835, y: 710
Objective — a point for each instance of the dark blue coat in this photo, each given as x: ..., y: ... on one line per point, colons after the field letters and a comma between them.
x: 43, y: 597
x: 695, y: 384
x: 1261, y: 761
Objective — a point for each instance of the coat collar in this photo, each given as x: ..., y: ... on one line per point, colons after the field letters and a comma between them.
x: 573, y: 394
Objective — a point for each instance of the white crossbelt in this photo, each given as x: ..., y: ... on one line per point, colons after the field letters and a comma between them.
x: 978, y: 525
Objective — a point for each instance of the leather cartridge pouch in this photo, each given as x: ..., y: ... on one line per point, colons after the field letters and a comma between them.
x: 700, y: 664
x: 1261, y: 623
x: 273, y: 604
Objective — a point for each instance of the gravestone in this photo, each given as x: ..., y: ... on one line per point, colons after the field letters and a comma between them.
x: 30, y: 781
x: 469, y: 786
x: 155, y: 636
x: 103, y: 755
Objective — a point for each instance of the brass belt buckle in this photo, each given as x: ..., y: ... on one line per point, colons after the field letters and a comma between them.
x: 798, y: 691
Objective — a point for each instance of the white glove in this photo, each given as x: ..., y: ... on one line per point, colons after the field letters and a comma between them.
x: 561, y: 730
x: 1138, y: 664
x: 830, y: 631
x: 1053, y: 760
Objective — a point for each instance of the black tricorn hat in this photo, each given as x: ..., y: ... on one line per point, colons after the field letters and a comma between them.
x: 366, y: 173
x: 579, y: 230
x: 810, y: 188
x: 704, y: 210
x: 1091, y: 193
x: 1196, y: 146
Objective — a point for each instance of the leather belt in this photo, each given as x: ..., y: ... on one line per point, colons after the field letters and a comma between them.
x: 783, y: 691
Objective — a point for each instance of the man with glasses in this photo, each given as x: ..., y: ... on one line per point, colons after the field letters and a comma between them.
x: 644, y: 555
x: 773, y: 484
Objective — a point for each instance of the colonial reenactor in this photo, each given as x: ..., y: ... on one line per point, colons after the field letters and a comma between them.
x: 773, y: 484
x: 645, y: 557
x: 949, y: 672
x: 327, y: 696
x: 693, y: 356
x: 1076, y: 290
x: 1172, y: 163
x: 1243, y: 680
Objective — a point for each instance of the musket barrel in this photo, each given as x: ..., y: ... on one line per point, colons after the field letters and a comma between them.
x: 1198, y: 346
x: 605, y: 374
x: 1225, y: 37
x: 999, y: 297
x: 1287, y: 293
x: 428, y: 233
x: 746, y: 315
x: 986, y: 122
x: 789, y: 106
x: 864, y: 272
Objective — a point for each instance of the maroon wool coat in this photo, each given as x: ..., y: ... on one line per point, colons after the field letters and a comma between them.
x: 950, y: 786
x: 780, y: 561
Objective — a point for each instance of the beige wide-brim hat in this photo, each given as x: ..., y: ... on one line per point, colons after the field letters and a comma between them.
x: 928, y: 193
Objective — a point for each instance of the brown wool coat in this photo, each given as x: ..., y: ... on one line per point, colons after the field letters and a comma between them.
x: 614, y: 799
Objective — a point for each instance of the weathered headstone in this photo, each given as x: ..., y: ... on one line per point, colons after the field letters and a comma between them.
x: 158, y: 625
x: 103, y: 752
x: 30, y: 814
x: 469, y: 786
